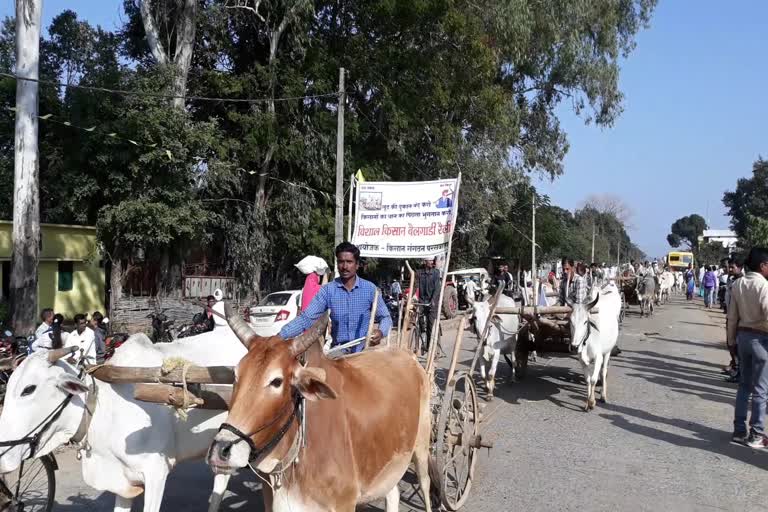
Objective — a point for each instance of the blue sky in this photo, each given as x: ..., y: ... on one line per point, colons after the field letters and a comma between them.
x: 694, y: 114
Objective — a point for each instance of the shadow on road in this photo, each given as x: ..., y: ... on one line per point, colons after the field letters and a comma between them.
x: 706, y: 438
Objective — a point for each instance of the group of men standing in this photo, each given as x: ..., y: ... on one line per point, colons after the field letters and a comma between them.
x: 88, y: 335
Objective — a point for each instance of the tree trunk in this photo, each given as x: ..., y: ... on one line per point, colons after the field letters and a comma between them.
x: 184, y: 25
x: 185, y: 44
x: 26, y: 196
x: 116, y: 286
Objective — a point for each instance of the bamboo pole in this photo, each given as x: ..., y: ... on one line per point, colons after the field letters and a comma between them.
x: 403, y: 335
x: 349, y: 211
x: 456, y: 349
x: 371, y: 321
x: 435, y: 334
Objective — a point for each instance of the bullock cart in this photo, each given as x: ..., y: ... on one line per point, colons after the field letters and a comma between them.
x: 545, y: 328
x: 456, y: 436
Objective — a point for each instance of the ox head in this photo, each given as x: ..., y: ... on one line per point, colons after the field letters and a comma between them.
x: 581, y: 322
x: 37, y: 388
x: 270, y: 381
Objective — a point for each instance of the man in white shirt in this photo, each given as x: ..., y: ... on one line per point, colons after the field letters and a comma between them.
x: 84, y: 339
x: 46, y: 316
x: 469, y: 290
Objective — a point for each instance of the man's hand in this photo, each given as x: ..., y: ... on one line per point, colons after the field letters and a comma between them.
x: 376, y: 337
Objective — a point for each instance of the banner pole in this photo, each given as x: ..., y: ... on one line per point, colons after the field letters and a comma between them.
x: 349, y: 214
x: 436, y: 326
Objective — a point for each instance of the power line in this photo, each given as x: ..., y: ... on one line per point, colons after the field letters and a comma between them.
x: 405, y: 155
x: 166, y: 96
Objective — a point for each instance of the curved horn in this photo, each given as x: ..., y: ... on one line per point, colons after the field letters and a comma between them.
x: 58, y: 353
x: 303, y: 341
x: 243, y: 332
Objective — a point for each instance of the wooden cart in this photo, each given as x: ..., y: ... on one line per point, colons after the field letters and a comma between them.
x: 456, y: 420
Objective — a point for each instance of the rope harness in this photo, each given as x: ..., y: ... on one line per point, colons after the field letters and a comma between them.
x: 257, y: 452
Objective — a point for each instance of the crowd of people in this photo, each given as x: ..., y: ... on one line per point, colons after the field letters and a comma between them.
x: 89, y: 334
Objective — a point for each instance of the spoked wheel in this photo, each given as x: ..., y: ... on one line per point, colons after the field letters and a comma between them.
x: 458, y: 439
x: 31, y: 488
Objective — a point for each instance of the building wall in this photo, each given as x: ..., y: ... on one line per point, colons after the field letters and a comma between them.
x: 60, y: 243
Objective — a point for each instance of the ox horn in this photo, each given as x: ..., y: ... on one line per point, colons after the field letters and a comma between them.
x: 58, y: 353
x: 243, y: 332
x: 302, y: 342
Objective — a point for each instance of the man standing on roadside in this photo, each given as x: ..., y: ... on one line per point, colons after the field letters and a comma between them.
x: 748, y: 330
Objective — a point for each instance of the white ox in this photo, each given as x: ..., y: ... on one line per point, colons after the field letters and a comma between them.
x: 502, y: 337
x: 679, y: 283
x: 593, y: 336
x: 666, y: 284
x: 130, y: 446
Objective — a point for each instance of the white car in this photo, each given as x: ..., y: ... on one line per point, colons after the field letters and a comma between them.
x: 274, y: 311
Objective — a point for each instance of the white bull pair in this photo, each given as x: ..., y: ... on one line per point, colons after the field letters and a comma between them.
x: 130, y: 446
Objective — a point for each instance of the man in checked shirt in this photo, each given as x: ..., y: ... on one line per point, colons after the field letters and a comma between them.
x: 350, y: 299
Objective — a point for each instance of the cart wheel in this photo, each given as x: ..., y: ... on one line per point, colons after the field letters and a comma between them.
x: 458, y: 439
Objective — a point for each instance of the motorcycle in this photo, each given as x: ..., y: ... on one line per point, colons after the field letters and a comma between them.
x: 162, y: 327
x: 113, y: 342
x: 393, y: 306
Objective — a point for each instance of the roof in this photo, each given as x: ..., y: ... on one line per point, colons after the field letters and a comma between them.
x: 719, y: 233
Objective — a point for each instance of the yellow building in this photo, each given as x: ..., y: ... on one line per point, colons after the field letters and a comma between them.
x: 71, y: 274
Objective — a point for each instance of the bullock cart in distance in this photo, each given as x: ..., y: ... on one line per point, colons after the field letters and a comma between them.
x: 456, y: 436
x: 544, y: 328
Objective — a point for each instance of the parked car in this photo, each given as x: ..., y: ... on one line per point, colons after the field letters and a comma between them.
x: 274, y: 311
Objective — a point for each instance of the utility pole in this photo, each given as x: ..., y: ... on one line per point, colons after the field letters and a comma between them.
x: 618, y: 255
x: 534, y: 280
x: 339, y: 225
x: 593, y: 242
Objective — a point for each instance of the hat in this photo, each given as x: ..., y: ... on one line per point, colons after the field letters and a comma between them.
x: 218, y: 294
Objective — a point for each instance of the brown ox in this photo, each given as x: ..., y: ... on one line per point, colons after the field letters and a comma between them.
x: 366, y: 416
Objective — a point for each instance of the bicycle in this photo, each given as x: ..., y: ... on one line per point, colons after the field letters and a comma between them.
x: 419, y: 338
x: 31, y: 488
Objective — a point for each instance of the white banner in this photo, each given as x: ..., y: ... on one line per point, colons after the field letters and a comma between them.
x: 405, y: 219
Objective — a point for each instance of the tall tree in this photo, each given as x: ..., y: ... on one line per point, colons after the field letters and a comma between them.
x: 170, y: 29
x: 26, y: 200
x: 687, y: 230
x: 749, y: 201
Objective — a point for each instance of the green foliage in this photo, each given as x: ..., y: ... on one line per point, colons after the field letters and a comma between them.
x: 434, y: 87
x: 711, y: 253
x: 756, y: 233
x: 748, y: 204
x: 687, y: 230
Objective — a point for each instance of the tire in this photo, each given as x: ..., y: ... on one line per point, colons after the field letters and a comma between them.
x: 38, y: 485
x: 450, y: 302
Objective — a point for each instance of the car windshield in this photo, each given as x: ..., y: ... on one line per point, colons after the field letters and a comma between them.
x: 275, y: 299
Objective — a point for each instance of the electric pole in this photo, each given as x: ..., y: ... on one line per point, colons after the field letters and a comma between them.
x: 339, y: 225
x: 533, y: 251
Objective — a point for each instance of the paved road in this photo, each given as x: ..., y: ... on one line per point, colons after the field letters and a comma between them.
x: 661, y: 444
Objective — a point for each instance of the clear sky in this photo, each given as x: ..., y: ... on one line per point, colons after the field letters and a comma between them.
x: 694, y: 115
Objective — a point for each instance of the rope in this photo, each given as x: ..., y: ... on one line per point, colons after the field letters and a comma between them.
x: 174, y: 363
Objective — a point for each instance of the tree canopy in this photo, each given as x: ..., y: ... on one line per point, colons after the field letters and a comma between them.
x: 748, y: 205
x: 687, y: 230
x: 434, y: 87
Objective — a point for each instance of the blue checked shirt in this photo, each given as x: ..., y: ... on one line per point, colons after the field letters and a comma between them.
x: 350, y: 312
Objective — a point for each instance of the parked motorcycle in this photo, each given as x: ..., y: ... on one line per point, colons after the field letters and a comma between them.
x: 393, y: 305
x: 162, y: 327
x: 112, y: 343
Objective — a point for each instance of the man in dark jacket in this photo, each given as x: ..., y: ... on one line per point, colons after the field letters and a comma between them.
x: 429, y: 293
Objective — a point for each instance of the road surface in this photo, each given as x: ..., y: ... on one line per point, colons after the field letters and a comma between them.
x: 662, y: 443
